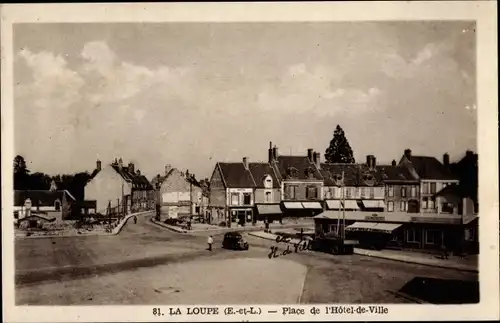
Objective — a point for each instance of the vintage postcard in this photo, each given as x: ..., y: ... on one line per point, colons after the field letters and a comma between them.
x: 250, y: 161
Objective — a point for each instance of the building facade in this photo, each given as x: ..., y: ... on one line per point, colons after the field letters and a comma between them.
x: 52, y: 204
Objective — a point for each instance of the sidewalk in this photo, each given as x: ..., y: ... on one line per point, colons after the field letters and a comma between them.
x: 198, y: 228
x: 74, y: 232
x: 464, y: 264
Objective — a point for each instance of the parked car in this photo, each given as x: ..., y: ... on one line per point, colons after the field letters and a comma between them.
x: 235, y: 241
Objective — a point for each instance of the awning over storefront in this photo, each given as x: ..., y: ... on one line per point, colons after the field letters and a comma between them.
x: 293, y: 205
x: 372, y: 204
x: 268, y: 209
x: 351, y: 205
x: 312, y: 205
x: 333, y: 204
x: 373, y: 227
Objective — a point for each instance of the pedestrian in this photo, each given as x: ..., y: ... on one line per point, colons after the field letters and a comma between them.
x: 210, y: 241
x: 135, y: 219
x: 444, y: 250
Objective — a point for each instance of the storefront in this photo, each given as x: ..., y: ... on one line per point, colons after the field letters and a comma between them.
x: 241, y: 215
x: 271, y: 212
x: 301, y: 209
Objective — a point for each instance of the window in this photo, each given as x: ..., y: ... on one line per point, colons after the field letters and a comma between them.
x: 413, y: 192
x: 390, y: 206
x: 433, y: 188
x: 390, y: 190
x: 291, y: 192
x: 312, y: 192
x: 403, y: 191
x: 425, y: 188
x: 362, y: 192
x: 268, y: 197
x: 402, y: 206
x: 268, y: 182
x: 431, y: 203
x: 235, y: 198
x: 432, y: 236
x: 372, y: 192
x: 247, y: 197
x: 412, y: 235
x: 347, y: 191
x: 425, y: 203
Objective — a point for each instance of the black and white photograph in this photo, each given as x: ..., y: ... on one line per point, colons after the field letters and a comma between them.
x: 193, y: 164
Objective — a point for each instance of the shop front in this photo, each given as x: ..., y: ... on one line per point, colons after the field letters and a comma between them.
x: 269, y: 212
x: 301, y: 209
x: 242, y: 216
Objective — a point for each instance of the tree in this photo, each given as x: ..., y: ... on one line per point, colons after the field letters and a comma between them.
x: 339, y: 150
x: 21, y: 173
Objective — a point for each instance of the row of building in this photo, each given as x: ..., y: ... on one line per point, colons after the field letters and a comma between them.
x: 415, y: 202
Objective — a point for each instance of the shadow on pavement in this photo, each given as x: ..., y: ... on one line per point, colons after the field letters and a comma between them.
x: 442, y: 291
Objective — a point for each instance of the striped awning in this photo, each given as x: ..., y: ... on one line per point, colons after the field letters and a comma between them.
x: 371, y: 204
x: 269, y: 209
x: 293, y: 205
x: 351, y: 204
x: 312, y: 205
x: 333, y: 204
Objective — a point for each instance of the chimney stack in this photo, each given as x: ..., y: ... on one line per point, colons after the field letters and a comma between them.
x: 275, y: 153
x: 131, y: 168
x: 393, y: 162
x: 138, y: 172
x: 408, y: 154
x: 317, y: 159
x: 446, y: 159
x: 310, y: 154
x: 168, y: 167
x: 120, y: 163
x: 245, y: 162
x: 98, y: 165
x: 371, y: 161
x: 469, y: 153
x: 270, y: 157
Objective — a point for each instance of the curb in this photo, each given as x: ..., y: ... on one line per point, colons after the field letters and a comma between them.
x: 115, y: 231
x: 299, y: 299
x: 472, y: 270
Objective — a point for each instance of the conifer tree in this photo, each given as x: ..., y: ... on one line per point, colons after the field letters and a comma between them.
x: 339, y: 150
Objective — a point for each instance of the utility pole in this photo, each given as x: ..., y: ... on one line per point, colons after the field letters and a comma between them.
x: 343, y: 208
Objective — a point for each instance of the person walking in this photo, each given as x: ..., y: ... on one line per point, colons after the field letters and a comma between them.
x: 210, y: 241
x: 135, y: 219
x: 444, y: 250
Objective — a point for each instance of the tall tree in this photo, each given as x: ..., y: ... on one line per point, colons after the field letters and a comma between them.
x: 21, y: 173
x: 339, y: 150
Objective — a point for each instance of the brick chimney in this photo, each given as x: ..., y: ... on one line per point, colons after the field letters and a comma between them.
x: 408, y: 154
x: 393, y: 162
x: 275, y: 153
x: 131, y: 168
x: 370, y: 161
x: 98, y: 165
x: 168, y: 167
x: 120, y: 163
x: 446, y: 159
x: 310, y: 152
x: 317, y: 159
x: 245, y: 162
x: 138, y: 172
x: 270, y: 156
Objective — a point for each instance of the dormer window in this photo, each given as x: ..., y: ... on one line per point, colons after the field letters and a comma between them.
x: 268, y: 182
x: 310, y: 172
x: 338, y: 179
x: 369, y: 179
x: 292, y: 172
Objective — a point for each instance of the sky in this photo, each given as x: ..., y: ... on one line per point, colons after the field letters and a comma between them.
x: 192, y: 94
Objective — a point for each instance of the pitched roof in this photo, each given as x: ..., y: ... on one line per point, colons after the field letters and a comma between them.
x: 138, y: 181
x: 40, y: 197
x: 259, y: 171
x: 430, y: 168
x: 161, y: 179
x: 354, y: 174
x: 235, y: 175
x: 391, y: 173
x: 301, y: 163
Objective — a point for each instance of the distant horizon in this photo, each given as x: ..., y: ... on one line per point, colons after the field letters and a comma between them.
x: 193, y: 94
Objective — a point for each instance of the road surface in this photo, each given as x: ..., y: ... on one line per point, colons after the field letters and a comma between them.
x: 145, y: 249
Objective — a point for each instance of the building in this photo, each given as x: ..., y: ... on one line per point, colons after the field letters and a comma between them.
x: 51, y: 204
x: 232, y: 193
x: 267, y: 192
x: 119, y: 188
x: 301, y: 183
x: 402, y: 190
x: 180, y: 194
x: 466, y: 170
x: 353, y: 186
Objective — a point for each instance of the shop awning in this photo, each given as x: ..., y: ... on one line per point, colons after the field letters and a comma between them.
x: 312, y: 205
x: 372, y: 204
x: 351, y: 204
x: 333, y: 204
x: 373, y: 227
x: 293, y: 205
x: 269, y: 209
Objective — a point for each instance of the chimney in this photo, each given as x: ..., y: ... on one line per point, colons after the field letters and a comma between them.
x: 168, y: 167
x: 120, y: 162
x: 310, y: 154
x: 98, y: 165
x: 270, y: 153
x: 131, y: 168
x: 317, y: 159
x: 245, y: 162
x: 138, y: 172
x: 275, y: 153
x: 446, y: 159
x: 374, y: 162
x: 393, y: 162
x: 370, y: 161
x: 408, y: 154
x: 469, y: 153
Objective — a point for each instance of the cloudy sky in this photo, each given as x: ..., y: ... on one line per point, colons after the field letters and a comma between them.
x: 191, y: 94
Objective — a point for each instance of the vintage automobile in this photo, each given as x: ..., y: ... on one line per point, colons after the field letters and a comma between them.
x: 234, y: 241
